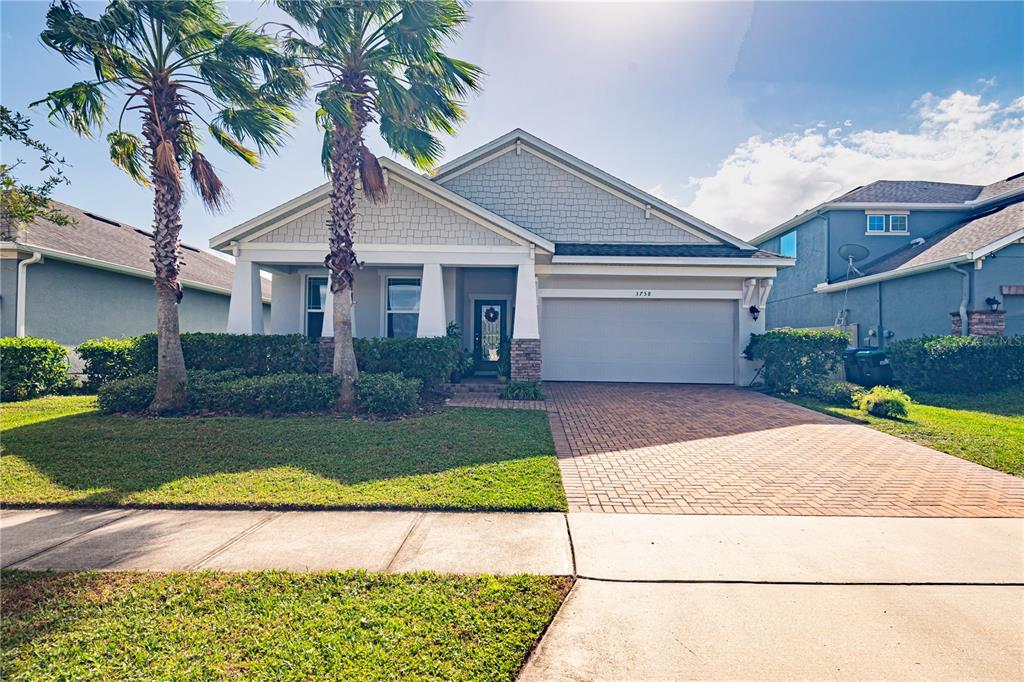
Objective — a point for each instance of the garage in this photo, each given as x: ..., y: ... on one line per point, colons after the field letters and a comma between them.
x: 624, y: 339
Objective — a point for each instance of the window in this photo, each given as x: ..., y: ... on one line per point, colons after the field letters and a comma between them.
x: 403, y: 306
x: 316, y: 299
x: 876, y: 223
x: 787, y: 244
x: 898, y: 223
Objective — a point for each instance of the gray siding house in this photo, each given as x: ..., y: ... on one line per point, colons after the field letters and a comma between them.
x: 588, y: 277
x: 902, y: 259
x: 95, y: 279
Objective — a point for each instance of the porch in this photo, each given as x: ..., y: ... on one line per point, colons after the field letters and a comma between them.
x: 490, y: 296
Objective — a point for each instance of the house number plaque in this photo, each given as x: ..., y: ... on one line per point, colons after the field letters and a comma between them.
x: 643, y: 293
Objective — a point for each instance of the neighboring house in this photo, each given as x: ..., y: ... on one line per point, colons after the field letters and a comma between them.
x: 95, y: 278
x: 590, y: 278
x: 923, y: 253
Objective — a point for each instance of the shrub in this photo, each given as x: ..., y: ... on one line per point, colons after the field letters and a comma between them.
x: 522, y: 390
x: 958, y: 363
x: 387, y: 394
x: 254, y: 354
x: 883, y: 401
x: 31, y: 367
x: 837, y: 392
x: 107, y: 360
x: 431, y: 360
x: 228, y: 392
x: 797, y: 360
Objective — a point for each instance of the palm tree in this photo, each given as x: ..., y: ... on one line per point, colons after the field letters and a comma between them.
x: 380, y: 62
x: 178, y: 63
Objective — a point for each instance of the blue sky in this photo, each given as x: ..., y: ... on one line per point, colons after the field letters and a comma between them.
x: 742, y: 113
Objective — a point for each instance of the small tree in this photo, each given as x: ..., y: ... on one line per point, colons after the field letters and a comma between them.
x: 174, y: 63
x: 377, y: 62
x: 20, y: 202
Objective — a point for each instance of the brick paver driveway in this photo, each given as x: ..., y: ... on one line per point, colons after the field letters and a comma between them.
x: 723, y: 450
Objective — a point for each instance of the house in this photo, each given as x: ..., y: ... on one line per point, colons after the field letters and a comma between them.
x: 95, y: 278
x: 589, y: 277
x: 899, y: 259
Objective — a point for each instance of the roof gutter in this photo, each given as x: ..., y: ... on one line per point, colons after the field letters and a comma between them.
x: 22, y: 288
x: 825, y: 287
x: 670, y: 260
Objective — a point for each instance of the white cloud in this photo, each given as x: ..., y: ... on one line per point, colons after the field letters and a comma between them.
x: 959, y: 138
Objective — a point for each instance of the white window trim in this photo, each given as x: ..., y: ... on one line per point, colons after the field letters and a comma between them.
x: 305, y: 301
x: 867, y: 224
x: 906, y: 223
x: 385, y: 311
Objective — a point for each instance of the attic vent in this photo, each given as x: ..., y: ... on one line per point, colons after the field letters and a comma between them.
x: 914, y: 243
x: 100, y: 218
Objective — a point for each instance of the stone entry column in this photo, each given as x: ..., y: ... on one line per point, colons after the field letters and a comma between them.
x: 525, y: 344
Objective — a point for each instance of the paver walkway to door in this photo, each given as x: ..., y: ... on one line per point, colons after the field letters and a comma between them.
x: 661, y: 448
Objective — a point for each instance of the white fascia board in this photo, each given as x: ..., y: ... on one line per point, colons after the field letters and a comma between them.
x: 222, y: 241
x: 825, y: 287
x: 592, y: 172
x: 643, y: 294
x: 655, y: 260
x: 120, y: 269
x: 998, y: 244
x: 552, y: 269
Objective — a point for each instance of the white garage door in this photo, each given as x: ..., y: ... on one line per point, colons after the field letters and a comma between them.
x: 673, y: 341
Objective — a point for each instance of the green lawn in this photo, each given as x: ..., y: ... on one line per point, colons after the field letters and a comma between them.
x: 59, y: 450
x: 271, y: 626
x: 985, y: 428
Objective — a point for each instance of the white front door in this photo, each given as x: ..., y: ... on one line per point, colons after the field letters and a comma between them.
x: 667, y: 341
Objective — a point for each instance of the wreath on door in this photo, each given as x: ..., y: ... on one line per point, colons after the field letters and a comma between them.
x: 491, y: 314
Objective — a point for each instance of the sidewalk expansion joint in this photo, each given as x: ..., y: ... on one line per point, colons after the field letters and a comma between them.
x: 117, y: 518
x: 809, y: 583
x: 572, y: 547
x: 244, y: 534
x: 405, y: 539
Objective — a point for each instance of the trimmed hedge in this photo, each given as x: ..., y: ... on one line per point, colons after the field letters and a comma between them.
x: 958, y: 364
x: 387, y: 394
x: 228, y: 392
x: 431, y: 360
x: 31, y: 367
x: 522, y: 390
x: 254, y: 354
x: 883, y: 401
x: 797, y: 360
x: 107, y: 360
x: 840, y: 393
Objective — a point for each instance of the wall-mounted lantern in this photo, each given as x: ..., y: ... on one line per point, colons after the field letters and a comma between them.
x: 755, y: 312
x: 993, y: 303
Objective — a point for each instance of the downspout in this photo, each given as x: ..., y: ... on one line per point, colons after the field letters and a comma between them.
x: 964, y: 331
x: 20, y: 315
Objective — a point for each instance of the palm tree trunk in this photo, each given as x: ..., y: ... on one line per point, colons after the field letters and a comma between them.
x: 170, y: 374
x: 345, y: 148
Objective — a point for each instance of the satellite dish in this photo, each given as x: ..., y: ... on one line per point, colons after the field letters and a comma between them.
x: 853, y: 252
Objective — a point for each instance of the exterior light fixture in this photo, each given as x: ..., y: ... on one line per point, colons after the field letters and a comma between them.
x: 755, y: 312
x: 993, y: 303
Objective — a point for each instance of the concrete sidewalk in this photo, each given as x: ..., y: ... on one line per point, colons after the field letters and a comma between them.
x: 169, y: 540
x: 635, y: 548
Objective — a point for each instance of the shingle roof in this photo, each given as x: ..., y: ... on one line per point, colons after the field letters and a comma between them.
x: 911, y: 192
x: 659, y: 250
x: 111, y: 241
x: 996, y: 188
x: 957, y: 240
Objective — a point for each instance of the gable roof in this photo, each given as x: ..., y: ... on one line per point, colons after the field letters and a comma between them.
x: 281, y: 214
x: 911, y: 194
x: 96, y: 241
x: 588, y: 172
x: 965, y: 241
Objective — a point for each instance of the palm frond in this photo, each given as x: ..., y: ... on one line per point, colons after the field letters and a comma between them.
x: 233, y: 146
x: 81, y: 107
x: 128, y: 152
x: 412, y: 141
x: 265, y: 125
x: 207, y: 183
x: 165, y: 164
x: 371, y: 175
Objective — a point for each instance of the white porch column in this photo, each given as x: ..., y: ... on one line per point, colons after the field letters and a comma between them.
x: 245, y: 312
x: 525, y: 324
x: 328, y: 327
x: 432, y: 317
x: 450, y: 291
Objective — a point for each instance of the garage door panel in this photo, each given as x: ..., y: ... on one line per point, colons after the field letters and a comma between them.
x: 627, y: 340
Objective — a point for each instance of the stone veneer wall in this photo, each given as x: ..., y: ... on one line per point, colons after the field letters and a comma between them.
x: 981, y: 322
x: 526, y: 359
